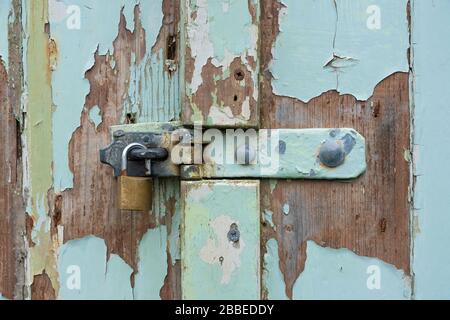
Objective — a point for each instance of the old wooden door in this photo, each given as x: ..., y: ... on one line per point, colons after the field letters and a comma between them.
x: 336, y: 69
x: 72, y: 69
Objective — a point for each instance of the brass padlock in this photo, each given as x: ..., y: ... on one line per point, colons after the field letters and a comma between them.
x: 134, y: 193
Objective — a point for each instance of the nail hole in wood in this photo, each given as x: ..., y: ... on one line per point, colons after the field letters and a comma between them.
x: 239, y: 75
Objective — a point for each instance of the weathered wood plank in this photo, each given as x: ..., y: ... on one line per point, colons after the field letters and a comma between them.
x: 369, y: 216
x: 124, y: 70
x: 12, y: 212
x: 213, y: 267
x: 221, y: 66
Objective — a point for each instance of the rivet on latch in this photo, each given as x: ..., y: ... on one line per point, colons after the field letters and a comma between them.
x: 119, y: 133
x: 234, y: 234
x: 332, y: 153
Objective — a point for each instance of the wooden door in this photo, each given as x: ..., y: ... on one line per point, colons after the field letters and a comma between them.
x: 72, y: 69
x: 335, y: 69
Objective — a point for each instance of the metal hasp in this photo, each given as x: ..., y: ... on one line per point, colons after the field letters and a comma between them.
x: 284, y: 154
x: 152, y: 159
x: 229, y: 153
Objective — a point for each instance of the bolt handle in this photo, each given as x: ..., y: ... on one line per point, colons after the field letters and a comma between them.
x: 148, y: 154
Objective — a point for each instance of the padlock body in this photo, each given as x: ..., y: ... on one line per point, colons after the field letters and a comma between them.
x: 135, y: 193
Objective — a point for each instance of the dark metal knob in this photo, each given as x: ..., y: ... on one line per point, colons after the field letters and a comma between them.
x: 332, y: 153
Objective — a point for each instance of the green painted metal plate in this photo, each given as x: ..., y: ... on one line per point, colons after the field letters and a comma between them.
x: 283, y: 154
x: 213, y: 267
x: 279, y: 153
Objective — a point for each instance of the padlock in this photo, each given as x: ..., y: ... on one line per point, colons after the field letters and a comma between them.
x: 134, y: 193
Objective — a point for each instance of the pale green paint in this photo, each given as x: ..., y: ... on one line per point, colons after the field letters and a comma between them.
x: 166, y: 191
x: 273, y: 280
x: 286, y: 209
x: 42, y: 223
x: 153, y: 93
x: 102, y: 279
x: 99, y: 278
x: 312, y: 32
x: 341, y: 274
x: 431, y: 51
x: 152, y: 265
x: 230, y: 38
x: 209, y: 210
x: 76, y: 56
x: 207, y: 39
x: 95, y: 116
x: 4, y: 20
x: 299, y: 161
x: 38, y: 135
x: 2, y: 298
x: 174, y: 236
x: 268, y: 218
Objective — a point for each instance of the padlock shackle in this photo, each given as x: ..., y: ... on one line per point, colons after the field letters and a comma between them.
x: 125, y: 153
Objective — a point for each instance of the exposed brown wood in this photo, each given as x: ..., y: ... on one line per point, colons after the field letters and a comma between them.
x: 90, y: 207
x: 222, y: 86
x: 42, y: 288
x: 370, y: 215
x: 12, y: 213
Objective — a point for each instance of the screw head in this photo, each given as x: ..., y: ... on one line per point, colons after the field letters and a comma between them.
x: 119, y: 133
x: 234, y: 235
x: 332, y: 153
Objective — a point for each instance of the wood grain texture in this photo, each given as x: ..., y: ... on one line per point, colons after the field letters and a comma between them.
x: 42, y: 288
x: 370, y: 215
x: 12, y: 212
x: 221, y: 68
x: 90, y: 208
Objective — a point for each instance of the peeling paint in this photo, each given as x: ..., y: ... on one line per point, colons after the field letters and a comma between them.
x: 111, y: 279
x: 286, y: 208
x: 39, y: 134
x: 341, y: 274
x: 95, y: 116
x: 268, y: 218
x: 84, y: 60
x: 152, y: 265
x: 219, y: 250
x: 273, y: 184
x: 273, y: 280
x: 77, y: 50
x: 221, y: 68
x: 214, y: 267
x: 329, y: 44
x: 4, y: 20
x: 99, y: 278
